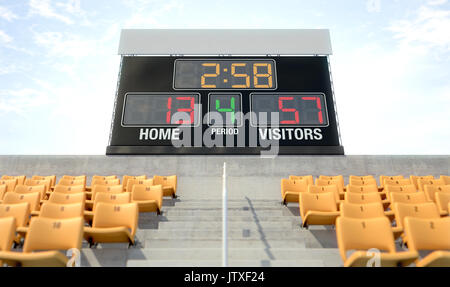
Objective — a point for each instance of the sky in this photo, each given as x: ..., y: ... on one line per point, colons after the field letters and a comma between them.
x: 390, y: 66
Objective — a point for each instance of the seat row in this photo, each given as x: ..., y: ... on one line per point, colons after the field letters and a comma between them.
x: 110, y: 215
x: 397, y: 200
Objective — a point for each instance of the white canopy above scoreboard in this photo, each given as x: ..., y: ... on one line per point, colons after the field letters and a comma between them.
x: 236, y: 42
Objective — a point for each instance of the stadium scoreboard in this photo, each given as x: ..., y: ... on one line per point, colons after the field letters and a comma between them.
x: 224, y: 92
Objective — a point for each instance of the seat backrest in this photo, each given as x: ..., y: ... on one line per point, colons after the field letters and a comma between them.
x: 69, y: 198
x: 442, y: 201
x: 428, y: 234
x: 145, y: 192
x: 414, y: 179
x: 405, y: 181
x: 339, y: 178
x: 325, y: 188
x: 32, y: 198
x: 125, y: 179
x: 105, y: 182
x: 395, y: 177
x: 364, y: 234
x: 362, y: 198
x: 309, y: 178
x: 422, y: 182
x: 368, y: 210
x: 20, y: 211
x: 113, y: 198
x: 338, y: 182
x: 70, y: 182
x: 131, y: 182
x: 10, y: 184
x: 2, y: 190
x: 430, y: 190
x: 115, y: 215
x: 76, y: 177
x: 20, y: 178
x: 406, y: 197
x: 362, y: 188
x: 165, y: 181
x: 419, y: 210
x: 8, y: 233
x: 364, y: 177
x: 445, y: 178
x: 30, y: 189
x: 34, y: 182
x: 61, y: 211
x: 409, y: 188
x: 300, y: 185
x: 106, y: 177
x: 317, y: 202
x: 54, y: 234
x: 68, y: 189
x: 359, y: 182
x: 106, y: 188
x: 51, y: 177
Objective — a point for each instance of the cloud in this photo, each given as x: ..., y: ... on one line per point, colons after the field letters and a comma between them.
x: 45, y: 9
x: 428, y: 30
x: 5, y: 38
x: 65, y: 44
x: 7, y: 14
x: 373, y: 6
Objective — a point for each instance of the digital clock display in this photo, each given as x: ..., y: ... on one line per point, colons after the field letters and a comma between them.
x: 225, y: 74
x: 292, y: 109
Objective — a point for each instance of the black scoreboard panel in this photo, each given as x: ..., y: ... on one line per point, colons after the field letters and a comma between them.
x: 224, y: 105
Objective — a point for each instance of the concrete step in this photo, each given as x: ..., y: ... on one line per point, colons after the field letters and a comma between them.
x: 231, y: 263
x: 217, y: 225
x: 217, y: 243
x: 217, y: 218
x: 218, y: 212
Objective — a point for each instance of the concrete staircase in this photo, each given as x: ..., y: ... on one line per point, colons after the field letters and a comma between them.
x: 189, y: 233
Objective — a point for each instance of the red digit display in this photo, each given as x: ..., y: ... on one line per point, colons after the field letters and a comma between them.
x: 319, y: 107
x: 285, y: 110
x: 190, y: 109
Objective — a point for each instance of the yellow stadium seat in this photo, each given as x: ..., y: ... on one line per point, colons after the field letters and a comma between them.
x: 169, y: 184
x: 398, y: 182
x: 45, y: 182
x: 420, y: 210
x: 8, y: 233
x: 112, y: 189
x: 113, y: 223
x: 50, y: 235
x: 125, y: 179
x: 318, y: 208
x: 70, y: 198
x: 309, y: 178
x: 414, y: 179
x: 364, y: 177
x: 443, y: 202
x: 20, y: 178
x: 395, y: 177
x: 10, y: 184
x: 430, y: 190
x: 148, y: 198
x: 77, y: 177
x: 422, y: 182
x: 105, y: 182
x: 364, y: 198
x: 326, y: 188
x: 368, y: 210
x: 445, y: 178
x: 335, y: 177
x: 101, y: 177
x: 2, y: 191
x: 51, y: 177
x: 32, y: 198
x: 404, y: 197
x: 409, y: 188
x: 359, y: 182
x: 61, y: 211
x: 131, y: 182
x: 68, y: 189
x: 337, y: 182
x: 290, y: 189
x: 70, y: 182
x: 362, y: 188
x: 363, y: 235
x: 31, y: 189
x: 105, y: 197
x: 20, y: 212
x: 429, y: 234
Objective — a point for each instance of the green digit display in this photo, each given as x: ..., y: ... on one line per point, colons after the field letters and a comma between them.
x: 231, y: 110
